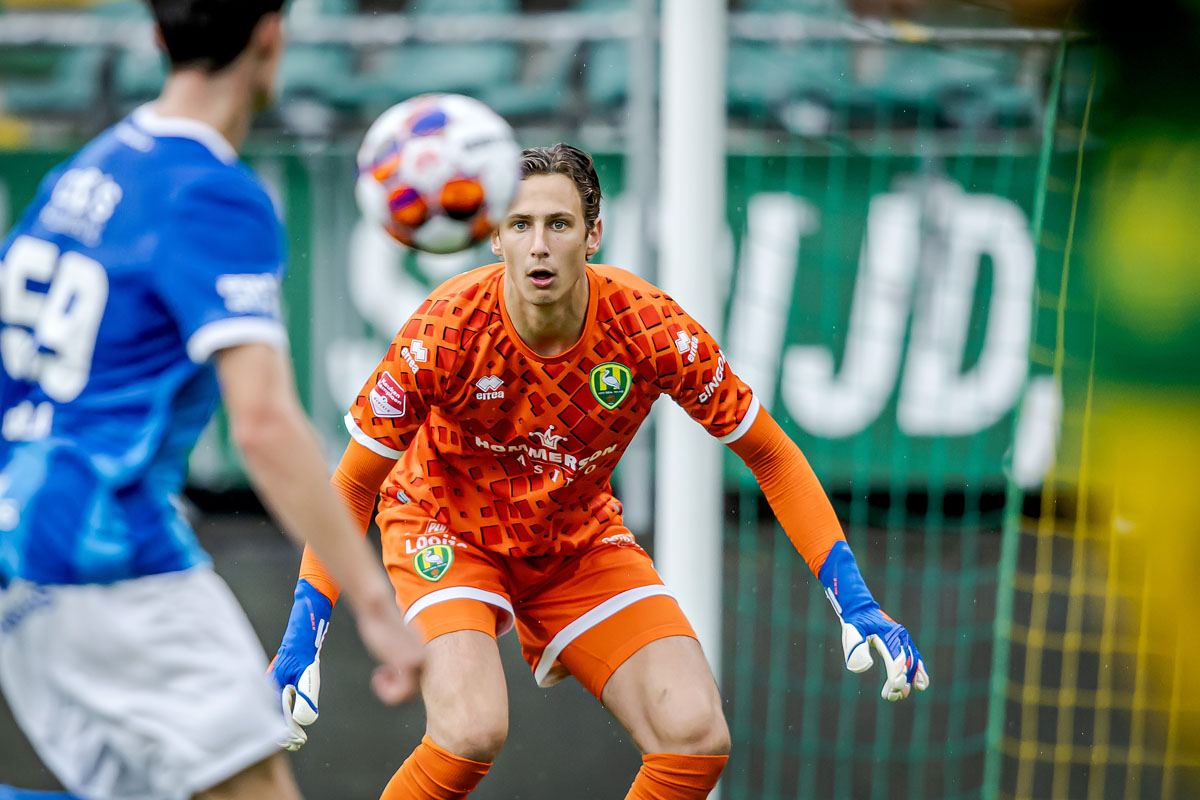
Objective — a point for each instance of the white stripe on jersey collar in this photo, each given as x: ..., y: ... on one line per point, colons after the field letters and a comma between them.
x: 149, y: 121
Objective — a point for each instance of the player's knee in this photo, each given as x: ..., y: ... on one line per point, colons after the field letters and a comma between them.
x: 478, y: 739
x: 693, y: 726
x: 478, y: 744
x: 719, y: 743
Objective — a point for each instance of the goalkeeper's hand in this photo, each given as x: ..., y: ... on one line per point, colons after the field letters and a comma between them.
x: 296, y: 668
x: 864, y: 625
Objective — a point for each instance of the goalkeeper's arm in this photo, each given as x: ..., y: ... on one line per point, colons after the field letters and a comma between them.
x: 356, y: 480
x: 296, y: 667
x: 804, y: 511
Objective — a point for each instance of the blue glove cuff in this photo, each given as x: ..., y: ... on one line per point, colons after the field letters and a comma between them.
x: 306, y: 629
x: 844, y: 584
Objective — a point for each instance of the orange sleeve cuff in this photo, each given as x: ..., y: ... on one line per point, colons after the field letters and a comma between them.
x: 357, y: 479
x: 792, y: 489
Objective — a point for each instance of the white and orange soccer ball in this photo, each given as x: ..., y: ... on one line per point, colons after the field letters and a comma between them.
x: 438, y: 172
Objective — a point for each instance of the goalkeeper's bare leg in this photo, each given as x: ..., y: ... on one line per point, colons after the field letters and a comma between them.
x: 270, y: 779
x: 666, y: 697
x: 466, y: 712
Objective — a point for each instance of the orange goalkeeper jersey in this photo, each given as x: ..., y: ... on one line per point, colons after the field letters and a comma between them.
x: 514, y: 451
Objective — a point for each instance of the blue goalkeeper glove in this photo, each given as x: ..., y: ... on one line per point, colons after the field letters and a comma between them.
x: 296, y: 667
x: 865, y: 625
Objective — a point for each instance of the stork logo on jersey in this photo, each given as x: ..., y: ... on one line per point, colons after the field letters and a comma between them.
x: 387, y: 398
x: 434, y: 561
x: 610, y: 383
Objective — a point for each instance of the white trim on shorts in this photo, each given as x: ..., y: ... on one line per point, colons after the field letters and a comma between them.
x: 465, y: 593
x: 586, y: 622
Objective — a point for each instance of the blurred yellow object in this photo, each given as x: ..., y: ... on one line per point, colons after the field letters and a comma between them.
x: 1111, y: 560
x: 1144, y: 270
x: 1146, y: 202
x: 907, y: 31
x: 1148, y: 452
x: 15, y: 133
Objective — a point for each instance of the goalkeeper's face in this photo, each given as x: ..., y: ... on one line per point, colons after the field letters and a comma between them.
x: 545, y: 242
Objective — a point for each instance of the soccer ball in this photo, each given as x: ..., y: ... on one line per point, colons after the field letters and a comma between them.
x: 438, y: 172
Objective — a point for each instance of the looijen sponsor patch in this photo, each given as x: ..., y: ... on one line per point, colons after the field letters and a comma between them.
x: 610, y: 383
x: 434, y: 561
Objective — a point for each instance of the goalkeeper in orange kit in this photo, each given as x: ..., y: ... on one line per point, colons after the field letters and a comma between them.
x: 489, y: 433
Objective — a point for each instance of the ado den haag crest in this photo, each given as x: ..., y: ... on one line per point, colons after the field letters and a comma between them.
x: 610, y: 383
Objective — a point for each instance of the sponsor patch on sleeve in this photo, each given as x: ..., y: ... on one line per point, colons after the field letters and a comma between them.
x: 250, y: 294
x: 387, y: 398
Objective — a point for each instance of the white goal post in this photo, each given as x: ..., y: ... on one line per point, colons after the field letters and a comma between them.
x: 688, y: 506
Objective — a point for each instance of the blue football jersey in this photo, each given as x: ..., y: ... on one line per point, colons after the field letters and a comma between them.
x: 143, y: 255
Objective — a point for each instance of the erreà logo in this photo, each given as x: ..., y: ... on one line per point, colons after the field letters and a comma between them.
x: 610, y: 383
x: 434, y: 561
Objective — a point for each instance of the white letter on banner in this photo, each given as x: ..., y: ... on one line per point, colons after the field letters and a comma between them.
x: 842, y: 405
x: 1038, y: 426
x: 936, y: 399
x: 758, y: 319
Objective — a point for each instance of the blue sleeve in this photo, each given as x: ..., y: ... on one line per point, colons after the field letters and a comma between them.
x: 220, y: 266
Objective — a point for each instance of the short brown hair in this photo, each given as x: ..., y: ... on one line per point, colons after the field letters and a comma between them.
x: 563, y: 159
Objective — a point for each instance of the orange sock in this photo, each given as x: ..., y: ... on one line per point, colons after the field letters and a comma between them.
x: 671, y: 776
x: 432, y: 773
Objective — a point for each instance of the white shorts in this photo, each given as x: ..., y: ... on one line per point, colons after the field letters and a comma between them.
x: 147, y: 689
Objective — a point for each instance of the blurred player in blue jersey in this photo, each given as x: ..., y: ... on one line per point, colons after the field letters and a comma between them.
x: 139, y: 289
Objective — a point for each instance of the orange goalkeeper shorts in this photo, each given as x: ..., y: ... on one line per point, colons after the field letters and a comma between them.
x: 581, y: 614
